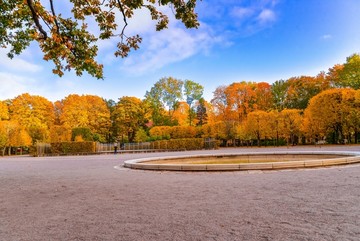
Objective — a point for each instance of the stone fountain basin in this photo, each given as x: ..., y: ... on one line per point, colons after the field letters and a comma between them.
x: 244, y: 161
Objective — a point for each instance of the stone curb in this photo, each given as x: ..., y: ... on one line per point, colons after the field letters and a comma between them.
x: 349, y: 158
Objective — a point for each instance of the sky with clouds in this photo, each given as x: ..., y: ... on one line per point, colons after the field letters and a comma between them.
x: 238, y: 40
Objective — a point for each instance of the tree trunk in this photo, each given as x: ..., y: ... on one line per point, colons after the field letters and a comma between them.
x: 356, y: 136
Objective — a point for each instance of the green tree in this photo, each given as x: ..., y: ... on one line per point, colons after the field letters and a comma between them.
x: 350, y: 73
x: 152, y: 99
x: 167, y: 92
x: 68, y: 41
x: 83, y: 133
x: 201, y: 114
x: 193, y: 92
x: 279, y: 90
x: 111, y: 136
x: 141, y: 135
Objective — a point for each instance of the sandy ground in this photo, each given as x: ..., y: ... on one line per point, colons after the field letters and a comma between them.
x: 86, y: 198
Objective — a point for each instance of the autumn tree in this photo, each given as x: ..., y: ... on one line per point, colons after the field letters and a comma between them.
x: 35, y: 114
x: 181, y: 114
x: 333, y: 75
x: 220, y: 103
x: 160, y: 132
x: 301, y: 89
x: 334, y: 113
x: 182, y: 132
x: 129, y: 115
x: 99, y: 118
x: 4, y: 111
x: 241, y: 99
x: 66, y: 36
x: 86, y: 111
x: 218, y: 130
x: 350, y: 108
x: 257, y: 125
x: 264, y: 96
x: 354, y: 116
x: 59, y: 133
x: 274, y: 125
x: 291, y: 120
x: 12, y: 134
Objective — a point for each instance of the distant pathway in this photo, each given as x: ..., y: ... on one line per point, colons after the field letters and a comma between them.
x: 86, y: 198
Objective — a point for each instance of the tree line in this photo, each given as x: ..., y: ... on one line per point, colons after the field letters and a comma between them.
x: 303, y: 109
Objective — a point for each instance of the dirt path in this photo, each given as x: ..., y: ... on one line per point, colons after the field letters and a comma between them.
x: 86, y: 198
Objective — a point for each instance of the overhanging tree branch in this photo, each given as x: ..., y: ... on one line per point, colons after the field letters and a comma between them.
x: 53, y: 13
x: 36, y: 19
x: 24, y: 22
x: 124, y: 19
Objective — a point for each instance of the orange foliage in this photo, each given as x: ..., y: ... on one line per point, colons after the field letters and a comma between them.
x: 181, y: 114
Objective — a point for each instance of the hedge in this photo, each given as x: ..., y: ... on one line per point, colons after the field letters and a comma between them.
x: 180, y: 144
x: 72, y: 147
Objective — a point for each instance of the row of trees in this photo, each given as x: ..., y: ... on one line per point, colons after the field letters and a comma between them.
x: 306, y: 108
x: 332, y: 115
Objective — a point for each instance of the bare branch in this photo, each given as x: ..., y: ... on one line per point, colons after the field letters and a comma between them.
x: 124, y: 17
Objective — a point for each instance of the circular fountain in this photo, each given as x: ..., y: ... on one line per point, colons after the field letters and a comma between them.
x: 244, y: 161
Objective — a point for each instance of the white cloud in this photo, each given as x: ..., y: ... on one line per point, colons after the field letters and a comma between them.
x: 326, y: 36
x: 266, y: 16
x: 17, y: 63
x: 12, y: 85
x: 241, y: 12
x: 248, y: 18
x: 159, y: 49
x: 168, y: 46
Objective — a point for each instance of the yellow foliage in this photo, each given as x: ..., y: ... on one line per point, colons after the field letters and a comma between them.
x: 79, y: 138
x: 181, y: 114
x: 4, y: 111
x: 14, y: 134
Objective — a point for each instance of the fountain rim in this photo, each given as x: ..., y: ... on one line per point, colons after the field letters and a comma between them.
x: 349, y: 158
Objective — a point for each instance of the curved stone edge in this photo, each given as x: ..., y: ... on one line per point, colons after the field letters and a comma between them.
x: 349, y: 158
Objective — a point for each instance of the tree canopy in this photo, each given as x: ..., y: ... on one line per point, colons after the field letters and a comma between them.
x: 304, y: 109
x: 64, y: 35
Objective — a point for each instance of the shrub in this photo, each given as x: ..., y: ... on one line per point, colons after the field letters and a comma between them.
x: 73, y: 147
x: 180, y: 144
x: 84, y: 132
x: 160, y: 132
x: 178, y: 132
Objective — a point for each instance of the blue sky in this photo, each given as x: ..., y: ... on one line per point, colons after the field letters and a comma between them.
x: 238, y: 40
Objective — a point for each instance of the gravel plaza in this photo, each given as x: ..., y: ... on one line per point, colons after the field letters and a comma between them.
x: 96, y: 198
